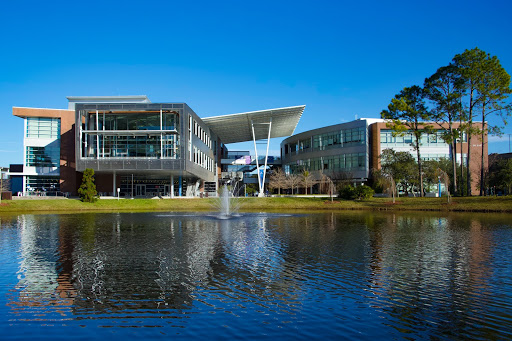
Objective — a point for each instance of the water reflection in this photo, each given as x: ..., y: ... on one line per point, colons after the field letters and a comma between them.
x: 354, y: 275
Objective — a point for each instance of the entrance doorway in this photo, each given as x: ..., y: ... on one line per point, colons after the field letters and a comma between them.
x: 140, y: 190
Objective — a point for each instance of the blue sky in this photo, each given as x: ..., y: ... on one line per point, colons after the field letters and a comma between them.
x: 339, y: 58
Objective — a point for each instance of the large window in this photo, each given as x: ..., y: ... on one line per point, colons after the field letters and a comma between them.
x: 42, y: 185
x: 387, y: 139
x: 48, y: 156
x: 134, y: 146
x: 133, y: 121
x: 343, y: 163
x: 334, y: 139
x: 43, y: 127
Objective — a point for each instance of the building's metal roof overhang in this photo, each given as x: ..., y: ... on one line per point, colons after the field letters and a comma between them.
x: 237, y: 127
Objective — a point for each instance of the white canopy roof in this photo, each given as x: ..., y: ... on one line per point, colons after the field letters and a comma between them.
x: 237, y: 127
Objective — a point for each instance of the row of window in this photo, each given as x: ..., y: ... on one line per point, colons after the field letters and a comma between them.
x: 339, y: 138
x: 48, y: 156
x: 42, y: 185
x: 133, y: 121
x: 166, y: 146
x: 201, y: 133
x: 43, y: 127
x: 434, y: 139
x: 341, y: 163
x: 203, y: 160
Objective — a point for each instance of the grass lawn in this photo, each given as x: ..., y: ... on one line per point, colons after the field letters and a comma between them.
x: 292, y: 204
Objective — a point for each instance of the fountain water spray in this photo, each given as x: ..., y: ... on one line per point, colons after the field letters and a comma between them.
x: 227, y: 204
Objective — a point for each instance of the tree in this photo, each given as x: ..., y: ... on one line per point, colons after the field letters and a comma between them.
x: 493, y: 91
x: 408, y: 113
x: 500, y: 175
x: 443, y: 89
x: 87, y: 190
x: 486, y: 86
x: 401, y: 167
x: 384, y: 179
x: 292, y: 181
x: 327, y: 185
x: 307, y: 180
x: 277, y: 179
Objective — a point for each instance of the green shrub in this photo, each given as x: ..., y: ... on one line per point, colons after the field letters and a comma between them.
x: 347, y: 192
x: 356, y: 193
x: 87, y: 190
x: 363, y: 192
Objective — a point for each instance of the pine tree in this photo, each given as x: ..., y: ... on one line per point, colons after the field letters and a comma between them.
x: 87, y: 190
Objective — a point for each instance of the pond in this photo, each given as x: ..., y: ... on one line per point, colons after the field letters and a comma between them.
x: 357, y: 275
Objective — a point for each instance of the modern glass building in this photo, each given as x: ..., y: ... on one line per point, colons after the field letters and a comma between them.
x: 137, y: 148
x: 350, y: 150
x: 145, y: 149
x: 338, y: 150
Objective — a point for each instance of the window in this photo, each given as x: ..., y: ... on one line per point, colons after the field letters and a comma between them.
x: 43, y: 127
x: 42, y: 184
x: 43, y: 156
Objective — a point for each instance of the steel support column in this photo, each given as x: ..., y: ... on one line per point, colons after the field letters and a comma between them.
x: 261, y: 182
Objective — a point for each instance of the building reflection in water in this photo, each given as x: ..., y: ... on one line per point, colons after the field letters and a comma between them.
x: 429, y: 270
x: 81, y: 267
x: 412, y: 272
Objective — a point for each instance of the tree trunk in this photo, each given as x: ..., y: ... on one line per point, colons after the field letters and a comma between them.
x: 420, y: 170
x: 482, y: 185
x: 461, y: 182
x: 468, y: 161
x: 453, y: 146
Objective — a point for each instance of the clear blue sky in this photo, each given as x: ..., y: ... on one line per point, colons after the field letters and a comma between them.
x: 339, y: 58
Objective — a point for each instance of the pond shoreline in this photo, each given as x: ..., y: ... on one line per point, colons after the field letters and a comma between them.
x: 283, y: 204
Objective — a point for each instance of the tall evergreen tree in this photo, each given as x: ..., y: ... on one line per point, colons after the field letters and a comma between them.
x: 442, y: 88
x: 494, y: 91
x: 469, y: 67
x: 408, y: 113
x: 87, y: 190
x: 485, y: 86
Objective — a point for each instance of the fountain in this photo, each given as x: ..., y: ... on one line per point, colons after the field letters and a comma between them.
x: 227, y: 204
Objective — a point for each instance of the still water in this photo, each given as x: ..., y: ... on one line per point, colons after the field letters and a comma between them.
x: 259, y: 276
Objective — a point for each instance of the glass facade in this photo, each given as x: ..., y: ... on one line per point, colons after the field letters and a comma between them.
x: 119, y: 146
x: 48, y: 156
x: 42, y: 184
x: 387, y: 140
x: 43, y: 127
x: 336, y: 163
x: 117, y: 134
x: 335, y: 139
x: 433, y: 140
x: 133, y: 121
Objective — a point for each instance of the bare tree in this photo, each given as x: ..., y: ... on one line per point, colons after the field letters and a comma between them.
x: 385, y: 179
x: 277, y: 179
x: 445, y: 179
x: 327, y: 185
x: 293, y: 181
